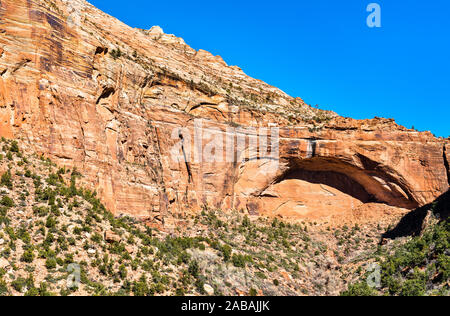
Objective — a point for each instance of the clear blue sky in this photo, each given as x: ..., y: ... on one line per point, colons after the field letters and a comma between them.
x: 322, y: 50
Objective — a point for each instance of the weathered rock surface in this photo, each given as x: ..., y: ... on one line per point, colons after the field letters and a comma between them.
x: 112, y: 237
x: 90, y: 92
x: 3, y: 263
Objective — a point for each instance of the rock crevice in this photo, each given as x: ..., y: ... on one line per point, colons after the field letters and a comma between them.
x: 446, y: 164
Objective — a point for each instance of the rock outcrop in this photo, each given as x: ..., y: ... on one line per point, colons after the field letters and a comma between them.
x: 120, y: 103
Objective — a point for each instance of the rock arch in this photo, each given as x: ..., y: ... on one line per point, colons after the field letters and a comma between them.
x: 318, y: 187
x: 369, y: 183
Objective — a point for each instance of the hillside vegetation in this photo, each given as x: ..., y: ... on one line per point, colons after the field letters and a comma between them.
x: 57, y: 238
x: 416, y: 266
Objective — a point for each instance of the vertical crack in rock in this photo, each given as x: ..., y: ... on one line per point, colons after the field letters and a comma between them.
x: 185, y: 158
x: 162, y: 212
x: 157, y: 147
x: 446, y: 164
x: 312, y: 147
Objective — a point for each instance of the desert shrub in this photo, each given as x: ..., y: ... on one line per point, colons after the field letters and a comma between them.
x: 140, y: 288
x: 7, y: 201
x: 49, y: 240
x: 123, y: 272
x: 32, y: 292
x: 97, y: 238
x: 3, y: 287
x: 246, y: 221
x: 359, y: 289
x: 28, y: 256
x: 53, y: 179
x: 180, y: 292
x: 240, y: 261
x: 194, y: 268
x: 19, y: 284
x: 226, y: 252
x: 413, y: 287
x: 50, y: 222
x: 50, y: 263
x: 419, y: 267
x: 41, y: 211
x: 14, y: 147
x: 6, y: 180
x: 116, y: 53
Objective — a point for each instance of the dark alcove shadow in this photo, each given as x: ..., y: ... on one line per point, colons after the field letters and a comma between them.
x: 412, y: 223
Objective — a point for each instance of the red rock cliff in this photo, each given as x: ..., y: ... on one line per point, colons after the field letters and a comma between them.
x: 88, y: 91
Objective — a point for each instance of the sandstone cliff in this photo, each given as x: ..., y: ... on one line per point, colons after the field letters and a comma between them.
x: 90, y: 92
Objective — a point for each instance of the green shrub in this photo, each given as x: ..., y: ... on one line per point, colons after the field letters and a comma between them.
x: 419, y: 267
x: 32, y: 292
x: 7, y: 201
x: 226, y: 252
x: 414, y: 287
x: 360, y: 289
x: 50, y: 263
x: 97, y: 238
x: 123, y: 272
x: 141, y: 288
x: 6, y: 180
x: 116, y: 53
x: 14, y: 147
x: 50, y: 222
x: 246, y: 221
x: 19, y: 284
x: 194, y: 268
x: 28, y: 256
x: 3, y: 287
x: 240, y: 261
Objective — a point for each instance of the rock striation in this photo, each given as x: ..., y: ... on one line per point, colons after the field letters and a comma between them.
x: 119, y: 103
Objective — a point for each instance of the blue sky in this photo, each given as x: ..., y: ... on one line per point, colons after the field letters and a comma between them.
x: 322, y: 50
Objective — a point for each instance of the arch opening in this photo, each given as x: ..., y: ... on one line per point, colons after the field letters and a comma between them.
x: 369, y: 184
x: 339, y: 181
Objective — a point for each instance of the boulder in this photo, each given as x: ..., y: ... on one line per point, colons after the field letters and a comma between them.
x: 4, y: 263
x: 112, y: 237
x: 209, y: 290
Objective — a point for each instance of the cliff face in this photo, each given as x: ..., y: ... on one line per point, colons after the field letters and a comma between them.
x: 90, y: 92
